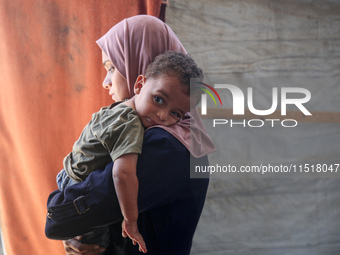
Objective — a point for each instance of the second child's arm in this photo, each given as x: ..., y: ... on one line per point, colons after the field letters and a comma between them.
x: 126, y: 185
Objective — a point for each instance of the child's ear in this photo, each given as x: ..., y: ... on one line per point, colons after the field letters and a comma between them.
x: 139, y: 84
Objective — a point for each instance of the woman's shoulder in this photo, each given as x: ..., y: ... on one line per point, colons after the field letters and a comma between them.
x: 163, y: 137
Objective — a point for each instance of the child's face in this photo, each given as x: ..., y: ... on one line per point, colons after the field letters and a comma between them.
x: 114, y: 81
x: 160, y: 101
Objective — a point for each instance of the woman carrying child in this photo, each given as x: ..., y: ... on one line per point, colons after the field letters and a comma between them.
x: 129, y: 47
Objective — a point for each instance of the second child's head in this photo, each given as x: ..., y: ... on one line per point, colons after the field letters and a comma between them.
x: 163, y: 94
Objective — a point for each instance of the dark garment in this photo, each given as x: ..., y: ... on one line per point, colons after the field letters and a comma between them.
x: 170, y: 203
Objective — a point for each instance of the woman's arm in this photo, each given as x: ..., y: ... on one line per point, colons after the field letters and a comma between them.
x: 80, y: 208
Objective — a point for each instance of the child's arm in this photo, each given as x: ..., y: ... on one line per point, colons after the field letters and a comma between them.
x: 126, y: 185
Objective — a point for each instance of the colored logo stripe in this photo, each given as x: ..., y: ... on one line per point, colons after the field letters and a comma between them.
x: 208, y: 86
x: 209, y: 95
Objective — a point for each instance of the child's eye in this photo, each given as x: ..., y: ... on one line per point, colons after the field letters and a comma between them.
x: 177, y: 115
x: 158, y: 99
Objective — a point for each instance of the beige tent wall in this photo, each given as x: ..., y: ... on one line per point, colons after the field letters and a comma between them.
x: 264, y: 44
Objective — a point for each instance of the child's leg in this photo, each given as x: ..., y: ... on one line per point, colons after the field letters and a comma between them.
x: 64, y: 181
x: 98, y: 236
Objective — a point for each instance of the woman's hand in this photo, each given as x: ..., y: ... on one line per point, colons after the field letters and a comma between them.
x: 75, y: 247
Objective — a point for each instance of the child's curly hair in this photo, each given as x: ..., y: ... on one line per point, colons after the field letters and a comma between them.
x: 178, y: 65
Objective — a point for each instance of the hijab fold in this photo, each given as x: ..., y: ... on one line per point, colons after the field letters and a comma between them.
x: 131, y: 45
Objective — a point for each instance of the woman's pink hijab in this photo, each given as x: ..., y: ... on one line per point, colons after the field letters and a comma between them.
x: 131, y: 45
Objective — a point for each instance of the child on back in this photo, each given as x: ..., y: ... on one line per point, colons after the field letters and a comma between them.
x: 115, y: 133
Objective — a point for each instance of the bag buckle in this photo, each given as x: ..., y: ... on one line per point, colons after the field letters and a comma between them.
x: 79, y: 211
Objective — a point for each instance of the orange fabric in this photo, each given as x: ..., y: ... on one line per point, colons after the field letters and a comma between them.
x: 50, y: 84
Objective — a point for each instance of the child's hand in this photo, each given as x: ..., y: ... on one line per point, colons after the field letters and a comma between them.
x: 130, y: 229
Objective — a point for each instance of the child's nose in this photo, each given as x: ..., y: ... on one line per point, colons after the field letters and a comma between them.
x: 162, y: 115
x: 107, y: 83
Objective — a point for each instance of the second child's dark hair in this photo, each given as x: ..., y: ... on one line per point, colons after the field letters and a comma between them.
x: 175, y: 64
